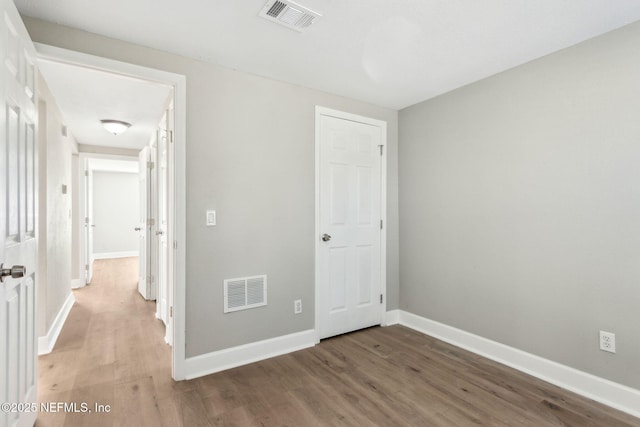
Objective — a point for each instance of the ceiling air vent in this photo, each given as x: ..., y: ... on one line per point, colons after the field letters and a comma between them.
x: 289, y: 14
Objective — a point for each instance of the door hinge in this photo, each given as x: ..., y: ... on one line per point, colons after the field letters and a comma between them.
x: 171, y: 311
x: 86, y: 267
x: 381, y: 148
x: 86, y: 173
x: 151, y: 221
x: 380, y: 298
x: 175, y: 244
x: 150, y: 279
x: 381, y: 224
x: 150, y: 165
x: 170, y: 135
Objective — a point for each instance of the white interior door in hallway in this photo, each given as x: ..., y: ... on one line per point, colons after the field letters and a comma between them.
x: 144, y: 226
x: 18, y: 208
x: 88, y: 223
x: 162, y: 177
x: 350, y: 245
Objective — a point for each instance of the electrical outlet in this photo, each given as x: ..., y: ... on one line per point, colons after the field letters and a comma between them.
x: 608, y: 341
x: 297, y: 306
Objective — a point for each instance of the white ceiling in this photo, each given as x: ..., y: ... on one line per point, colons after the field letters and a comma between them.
x: 87, y: 96
x: 392, y: 53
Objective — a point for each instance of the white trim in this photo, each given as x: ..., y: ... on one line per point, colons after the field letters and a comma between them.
x: 323, y: 111
x: 77, y: 284
x: 391, y: 317
x: 612, y: 394
x: 114, y: 166
x: 176, y: 232
x: 109, y: 255
x: 217, y: 361
x: 48, y: 341
x: 71, y: 57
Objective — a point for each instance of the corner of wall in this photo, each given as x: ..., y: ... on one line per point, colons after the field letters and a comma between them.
x: 221, y: 360
x: 48, y: 341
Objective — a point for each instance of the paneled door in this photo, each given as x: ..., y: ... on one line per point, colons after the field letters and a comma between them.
x: 161, y: 229
x: 18, y: 216
x: 88, y: 222
x: 349, y: 248
x: 143, y: 227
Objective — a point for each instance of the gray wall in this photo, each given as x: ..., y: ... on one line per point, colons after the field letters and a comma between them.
x: 520, y: 206
x: 54, y: 220
x: 116, y: 212
x: 250, y: 156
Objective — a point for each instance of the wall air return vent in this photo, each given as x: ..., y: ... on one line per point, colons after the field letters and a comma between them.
x: 245, y: 292
x: 289, y: 14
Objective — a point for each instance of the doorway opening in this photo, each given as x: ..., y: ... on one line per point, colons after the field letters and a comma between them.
x: 161, y: 233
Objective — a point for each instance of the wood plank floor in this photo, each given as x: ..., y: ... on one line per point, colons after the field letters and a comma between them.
x: 111, y: 352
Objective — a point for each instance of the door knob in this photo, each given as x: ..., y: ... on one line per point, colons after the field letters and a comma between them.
x: 137, y: 228
x: 15, y: 272
x: 326, y: 237
x: 159, y: 233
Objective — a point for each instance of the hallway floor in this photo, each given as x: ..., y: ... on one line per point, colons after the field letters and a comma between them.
x: 111, y: 352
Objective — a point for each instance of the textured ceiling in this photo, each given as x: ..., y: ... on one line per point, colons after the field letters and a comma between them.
x: 87, y: 96
x: 392, y: 53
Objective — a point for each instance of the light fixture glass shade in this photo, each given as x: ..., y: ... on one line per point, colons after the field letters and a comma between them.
x: 116, y: 127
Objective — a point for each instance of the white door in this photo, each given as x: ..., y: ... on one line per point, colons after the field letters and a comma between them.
x: 18, y: 209
x: 152, y: 214
x: 349, y: 249
x: 88, y: 223
x: 161, y: 229
x: 143, y: 227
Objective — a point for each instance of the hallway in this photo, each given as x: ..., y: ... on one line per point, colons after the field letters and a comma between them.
x: 111, y: 351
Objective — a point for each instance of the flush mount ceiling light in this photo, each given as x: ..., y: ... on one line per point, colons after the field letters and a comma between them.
x: 115, y: 127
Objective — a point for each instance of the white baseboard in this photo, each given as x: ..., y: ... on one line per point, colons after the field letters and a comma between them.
x: 217, y: 361
x: 47, y: 342
x: 109, y: 255
x: 77, y: 284
x: 612, y: 394
x: 391, y: 317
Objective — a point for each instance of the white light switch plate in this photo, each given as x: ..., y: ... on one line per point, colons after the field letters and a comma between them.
x: 211, y: 218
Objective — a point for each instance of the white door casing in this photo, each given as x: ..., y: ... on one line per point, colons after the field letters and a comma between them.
x: 350, y: 239
x: 170, y: 217
x: 177, y: 183
x: 18, y: 217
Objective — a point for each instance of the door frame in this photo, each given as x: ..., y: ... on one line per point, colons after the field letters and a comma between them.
x: 84, y: 160
x: 324, y: 111
x: 176, y: 233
